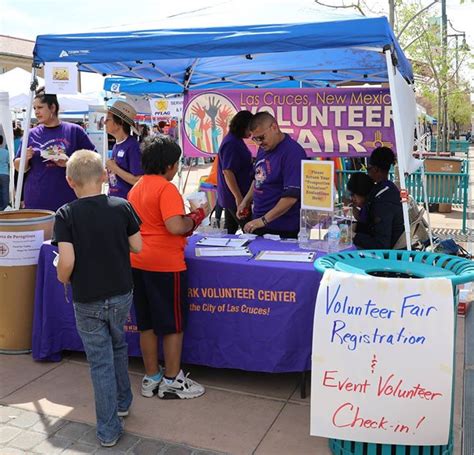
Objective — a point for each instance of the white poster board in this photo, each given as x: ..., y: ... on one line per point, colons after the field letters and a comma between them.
x: 20, y: 247
x: 382, y: 362
x: 61, y: 77
x: 97, y: 116
x: 166, y: 107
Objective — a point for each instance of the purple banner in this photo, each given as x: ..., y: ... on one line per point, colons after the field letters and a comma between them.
x: 327, y: 122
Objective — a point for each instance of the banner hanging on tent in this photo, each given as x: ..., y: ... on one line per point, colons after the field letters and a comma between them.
x: 327, y: 122
x: 166, y: 108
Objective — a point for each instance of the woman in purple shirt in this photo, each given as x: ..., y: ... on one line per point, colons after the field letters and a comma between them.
x: 235, y: 170
x: 50, y: 145
x: 125, y: 167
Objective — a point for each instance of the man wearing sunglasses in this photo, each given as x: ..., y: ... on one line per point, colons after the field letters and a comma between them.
x: 275, y: 191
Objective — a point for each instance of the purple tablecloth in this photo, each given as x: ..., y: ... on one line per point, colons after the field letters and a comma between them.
x: 246, y: 314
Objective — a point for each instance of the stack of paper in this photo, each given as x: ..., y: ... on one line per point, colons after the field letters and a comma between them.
x: 223, y: 251
x: 286, y: 256
x: 222, y: 247
x: 221, y: 241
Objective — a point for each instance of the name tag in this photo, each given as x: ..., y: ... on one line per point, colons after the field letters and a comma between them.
x: 121, y: 154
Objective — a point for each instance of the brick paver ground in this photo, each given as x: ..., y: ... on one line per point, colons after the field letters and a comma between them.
x: 30, y: 433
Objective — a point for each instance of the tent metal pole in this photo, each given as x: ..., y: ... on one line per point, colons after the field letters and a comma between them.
x: 105, y: 148
x: 24, y: 141
x: 180, y: 143
x: 399, y: 142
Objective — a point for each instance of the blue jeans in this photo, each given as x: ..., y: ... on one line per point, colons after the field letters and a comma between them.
x: 4, y: 190
x: 101, y: 328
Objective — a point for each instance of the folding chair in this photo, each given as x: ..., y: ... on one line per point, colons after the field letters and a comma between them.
x: 418, y: 228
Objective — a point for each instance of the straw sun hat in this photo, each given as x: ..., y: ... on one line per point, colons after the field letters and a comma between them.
x: 126, y: 112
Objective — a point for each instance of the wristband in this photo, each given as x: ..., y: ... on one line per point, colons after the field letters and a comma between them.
x: 264, y: 221
x: 196, y: 216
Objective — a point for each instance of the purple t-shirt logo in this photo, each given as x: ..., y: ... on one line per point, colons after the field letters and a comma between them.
x: 260, y: 173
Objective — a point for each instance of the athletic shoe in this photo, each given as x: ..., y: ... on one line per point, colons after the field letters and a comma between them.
x: 111, y: 443
x: 149, y: 386
x: 181, y: 388
x: 123, y: 413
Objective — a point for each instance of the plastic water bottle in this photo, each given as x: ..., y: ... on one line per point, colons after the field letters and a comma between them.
x: 344, y: 238
x: 303, y: 238
x: 334, y: 236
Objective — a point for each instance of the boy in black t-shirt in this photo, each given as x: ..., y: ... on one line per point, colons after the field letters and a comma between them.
x: 95, y: 235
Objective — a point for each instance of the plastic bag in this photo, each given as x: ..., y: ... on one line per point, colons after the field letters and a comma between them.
x: 449, y: 246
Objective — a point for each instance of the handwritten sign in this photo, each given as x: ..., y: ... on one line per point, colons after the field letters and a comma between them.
x: 382, y: 366
x: 317, y: 188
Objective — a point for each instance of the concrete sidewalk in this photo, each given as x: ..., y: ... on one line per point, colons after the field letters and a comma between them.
x: 48, y: 408
x: 241, y: 413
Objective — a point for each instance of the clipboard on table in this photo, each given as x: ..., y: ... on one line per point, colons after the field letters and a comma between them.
x: 222, y: 251
x: 286, y: 256
x: 222, y: 242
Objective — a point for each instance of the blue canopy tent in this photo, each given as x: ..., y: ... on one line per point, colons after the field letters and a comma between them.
x: 134, y: 86
x: 318, y: 53
x: 326, y: 51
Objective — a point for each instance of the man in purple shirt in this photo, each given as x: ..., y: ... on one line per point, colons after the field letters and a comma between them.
x: 276, y: 189
x: 50, y: 145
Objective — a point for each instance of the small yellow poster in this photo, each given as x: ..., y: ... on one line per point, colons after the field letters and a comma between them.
x: 317, y: 185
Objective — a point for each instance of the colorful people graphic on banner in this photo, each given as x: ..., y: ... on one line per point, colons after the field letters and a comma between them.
x: 206, y: 121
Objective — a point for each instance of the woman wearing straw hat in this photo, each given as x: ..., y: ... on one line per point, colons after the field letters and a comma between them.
x: 50, y: 144
x: 124, y: 167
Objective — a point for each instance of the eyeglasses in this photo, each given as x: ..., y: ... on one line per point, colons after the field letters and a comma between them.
x: 261, y: 138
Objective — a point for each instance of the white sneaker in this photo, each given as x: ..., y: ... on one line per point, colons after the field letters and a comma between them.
x: 149, y: 386
x: 110, y: 443
x: 181, y: 388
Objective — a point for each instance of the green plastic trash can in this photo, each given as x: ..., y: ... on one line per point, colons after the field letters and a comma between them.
x: 398, y: 264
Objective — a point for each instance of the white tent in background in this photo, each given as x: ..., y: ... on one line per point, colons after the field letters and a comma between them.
x: 17, y: 81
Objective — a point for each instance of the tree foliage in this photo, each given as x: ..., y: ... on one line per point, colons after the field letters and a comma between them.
x: 418, y: 29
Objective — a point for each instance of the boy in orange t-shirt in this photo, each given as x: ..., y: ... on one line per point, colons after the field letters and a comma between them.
x: 159, y: 270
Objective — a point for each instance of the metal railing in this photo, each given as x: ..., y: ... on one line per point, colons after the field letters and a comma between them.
x: 453, y: 146
x: 442, y: 188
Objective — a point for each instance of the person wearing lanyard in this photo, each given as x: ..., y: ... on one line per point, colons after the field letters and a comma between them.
x: 124, y: 167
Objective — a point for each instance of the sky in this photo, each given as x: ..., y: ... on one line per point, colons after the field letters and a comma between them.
x: 29, y: 18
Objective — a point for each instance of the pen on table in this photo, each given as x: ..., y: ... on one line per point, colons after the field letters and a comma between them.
x: 251, y: 257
